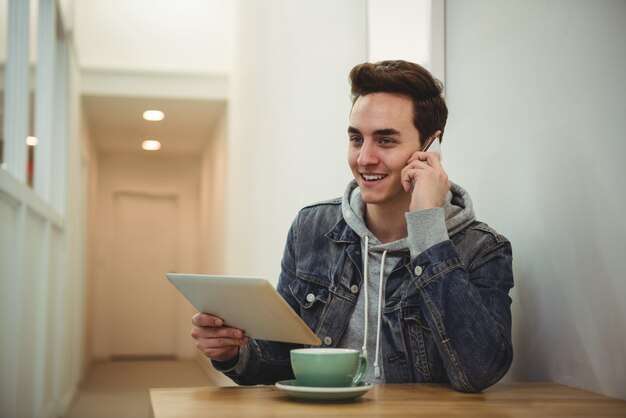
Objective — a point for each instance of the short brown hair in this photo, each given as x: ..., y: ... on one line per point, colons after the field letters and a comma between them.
x: 429, y: 108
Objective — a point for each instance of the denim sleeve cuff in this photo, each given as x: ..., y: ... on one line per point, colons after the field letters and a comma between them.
x: 425, y: 228
x: 237, y: 365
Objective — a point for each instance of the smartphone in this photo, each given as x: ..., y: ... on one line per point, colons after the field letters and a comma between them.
x: 433, y: 145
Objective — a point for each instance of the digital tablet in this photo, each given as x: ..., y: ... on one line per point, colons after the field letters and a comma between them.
x: 248, y: 303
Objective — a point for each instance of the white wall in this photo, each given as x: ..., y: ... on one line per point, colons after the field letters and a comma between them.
x: 69, y: 327
x: 91, y: 199
x: 399, y: 29
x: 212, y: 209
x: 536, y: 133
x: 289, y: 107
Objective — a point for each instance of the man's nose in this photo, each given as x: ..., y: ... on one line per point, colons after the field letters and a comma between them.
x: 367, y: 154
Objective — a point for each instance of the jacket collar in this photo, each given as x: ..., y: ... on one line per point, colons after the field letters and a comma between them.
x: 342, y: 233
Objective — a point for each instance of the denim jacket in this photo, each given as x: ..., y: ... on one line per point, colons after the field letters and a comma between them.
x: 446, y: 315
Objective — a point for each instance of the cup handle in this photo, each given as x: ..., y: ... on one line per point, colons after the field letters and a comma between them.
x: 362, y: 369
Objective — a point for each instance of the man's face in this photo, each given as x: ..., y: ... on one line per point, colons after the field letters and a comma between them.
x: 382, y: 139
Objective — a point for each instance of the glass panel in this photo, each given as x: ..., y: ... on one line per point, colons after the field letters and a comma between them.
x: 33, y: 34
x: 30, y: 142
x: 60, y: 125
x: 3, y: 57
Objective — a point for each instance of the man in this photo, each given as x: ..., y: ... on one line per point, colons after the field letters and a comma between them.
x: 403, y: 229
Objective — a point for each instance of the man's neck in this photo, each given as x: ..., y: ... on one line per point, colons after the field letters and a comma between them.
x: 387, y: 222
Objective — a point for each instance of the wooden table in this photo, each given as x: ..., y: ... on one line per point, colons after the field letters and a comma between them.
x: 407, y: 400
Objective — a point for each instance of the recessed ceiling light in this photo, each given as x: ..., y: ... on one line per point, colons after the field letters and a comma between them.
x: 31, y: 141
x: 151, y: 145
x: 153, y: 115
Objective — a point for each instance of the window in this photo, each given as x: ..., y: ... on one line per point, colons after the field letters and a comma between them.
x: 3, y: 57
x: 33, y: 106
x: 32, y: 89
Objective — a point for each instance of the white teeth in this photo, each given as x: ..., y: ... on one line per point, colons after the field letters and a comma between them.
x: 372, y: 178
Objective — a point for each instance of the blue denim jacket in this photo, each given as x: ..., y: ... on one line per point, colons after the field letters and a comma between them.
x: 446, y: 315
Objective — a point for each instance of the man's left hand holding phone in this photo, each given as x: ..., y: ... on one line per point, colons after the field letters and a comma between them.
x: 425, y: 178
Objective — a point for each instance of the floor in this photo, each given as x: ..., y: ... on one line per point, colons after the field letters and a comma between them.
x: 120, y: 388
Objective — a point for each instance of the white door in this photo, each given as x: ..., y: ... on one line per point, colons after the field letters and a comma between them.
x: 143, y: 308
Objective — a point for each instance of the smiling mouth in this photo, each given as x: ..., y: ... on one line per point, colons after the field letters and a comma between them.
x: 369, y: 178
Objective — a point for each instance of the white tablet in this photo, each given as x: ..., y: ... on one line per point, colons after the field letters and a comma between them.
x: 248, y: 303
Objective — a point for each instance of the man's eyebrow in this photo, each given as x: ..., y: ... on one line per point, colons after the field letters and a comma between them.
x: 378, y: 132
x: 387, y: 131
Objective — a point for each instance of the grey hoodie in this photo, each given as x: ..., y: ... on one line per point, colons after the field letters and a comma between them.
x: 425, y: 228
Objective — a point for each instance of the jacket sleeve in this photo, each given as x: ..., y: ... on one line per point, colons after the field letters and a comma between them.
x: 265, y: 363
x: 467, y: 306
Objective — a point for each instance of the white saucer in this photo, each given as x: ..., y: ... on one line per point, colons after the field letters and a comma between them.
x: 291, y: 388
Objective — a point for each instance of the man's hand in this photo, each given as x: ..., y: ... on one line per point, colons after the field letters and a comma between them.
x: 214, y: 340
x: 430, y: 182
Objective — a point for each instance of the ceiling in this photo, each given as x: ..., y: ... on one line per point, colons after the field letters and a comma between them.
x: 190, y: 36
x: 116, y: 124
x: 148, y: 40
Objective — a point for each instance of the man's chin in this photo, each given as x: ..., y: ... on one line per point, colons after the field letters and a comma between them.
x: 371, y: 198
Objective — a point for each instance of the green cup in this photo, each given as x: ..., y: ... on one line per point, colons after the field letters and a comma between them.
x: 328, y: 367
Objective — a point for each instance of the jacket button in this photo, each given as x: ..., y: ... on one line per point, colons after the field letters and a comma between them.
x: 354, y: 288
x: 418, y: 270
x: 310, y: 297
x: 328, y: 340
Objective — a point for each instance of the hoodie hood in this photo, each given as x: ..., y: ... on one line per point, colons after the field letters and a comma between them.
x: 458, y: 213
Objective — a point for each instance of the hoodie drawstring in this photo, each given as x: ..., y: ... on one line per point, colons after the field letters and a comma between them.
x: 365, y: 263
x: 380, y: 305
x: 380, y: 310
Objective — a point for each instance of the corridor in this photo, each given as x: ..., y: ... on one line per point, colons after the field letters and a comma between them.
x: 120, y: 388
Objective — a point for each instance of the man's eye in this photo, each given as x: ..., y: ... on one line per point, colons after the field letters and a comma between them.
x: 356, y: 139
x: 385, y: 141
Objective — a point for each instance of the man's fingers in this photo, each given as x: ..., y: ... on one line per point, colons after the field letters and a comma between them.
x: 214, y: 340
x: 209, y: 332
x: 206, y: 320
x: 214, y: 343
x: 426, y: 156
x: 433, y: 159
x: 220, y: 354
x: 410, y: 173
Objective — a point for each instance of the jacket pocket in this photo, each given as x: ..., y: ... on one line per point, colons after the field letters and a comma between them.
x: 312, y: 298
x: 421, y: 345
